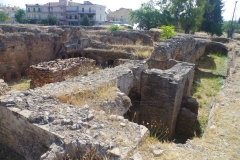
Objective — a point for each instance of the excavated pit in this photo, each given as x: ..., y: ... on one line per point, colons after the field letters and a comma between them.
x: 142, y: 90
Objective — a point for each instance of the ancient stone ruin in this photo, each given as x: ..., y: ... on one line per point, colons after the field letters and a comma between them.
x: 105, y: 110
x: 58, y: 70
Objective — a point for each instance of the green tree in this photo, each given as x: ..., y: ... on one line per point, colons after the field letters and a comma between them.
x: 85, y: 21
x: 3, y: 17
x: 52, y: 20
x: 44, y: 21
x: 20, y: 16
x: 187, y: 13
x: 227, y: 26
x: 212, y: 16
x: 148, y: 16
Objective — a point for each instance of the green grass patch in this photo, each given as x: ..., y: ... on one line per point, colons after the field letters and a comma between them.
x: 208, y: 80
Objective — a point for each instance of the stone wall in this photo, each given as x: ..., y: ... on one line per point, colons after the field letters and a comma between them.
x: 122, y: 37
x: 181, y: 48
x: 162, y: 92
x: 34, y: 122
x: 58, y: 70
x: 22, y: 46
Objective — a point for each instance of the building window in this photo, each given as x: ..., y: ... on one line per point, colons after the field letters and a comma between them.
x: 83, y: 10
x: 39, y: 10
x: 28, y: 9
x: 61, y: 14
x: 33, y: 9
x: 76, y: 17
x: 89, y: 10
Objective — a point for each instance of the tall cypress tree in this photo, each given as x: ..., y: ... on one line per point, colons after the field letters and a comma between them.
x: 213, y: 19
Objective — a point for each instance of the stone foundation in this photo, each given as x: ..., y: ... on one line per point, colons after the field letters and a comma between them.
x: 48, y: 129
x: 162, y: 92
x: 58, y: 70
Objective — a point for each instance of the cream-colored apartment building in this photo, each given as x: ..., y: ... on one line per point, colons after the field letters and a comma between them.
x: 68, y: 12
x: 120, y: 16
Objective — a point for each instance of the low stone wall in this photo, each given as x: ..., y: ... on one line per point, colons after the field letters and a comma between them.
x: 121, y: 37
x: 40, y: 123
x: 216, y: 47
x: 22, y: 46
x: 181, y: 48
x: 58, y: 70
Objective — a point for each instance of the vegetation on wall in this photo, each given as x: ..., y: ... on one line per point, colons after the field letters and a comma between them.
x: 167, y: 32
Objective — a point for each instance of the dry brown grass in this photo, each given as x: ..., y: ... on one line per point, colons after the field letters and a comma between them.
x: 22, y: 84
x: 80, y: 98
x: 201, y: 34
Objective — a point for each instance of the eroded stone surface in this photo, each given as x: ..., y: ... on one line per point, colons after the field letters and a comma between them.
x: 58, y: 70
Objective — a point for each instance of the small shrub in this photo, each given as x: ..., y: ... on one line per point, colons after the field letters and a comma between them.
x: 167, y: 32
x: 114, y: 28
x: 130, y: 27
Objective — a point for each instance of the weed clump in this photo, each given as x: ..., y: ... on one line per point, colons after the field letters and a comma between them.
x: 167, y: 32
x: 114, y: 28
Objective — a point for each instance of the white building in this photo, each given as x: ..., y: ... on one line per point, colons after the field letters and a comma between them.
x: 76, y: 11
x: 68, y: 13
x: 9, y: 10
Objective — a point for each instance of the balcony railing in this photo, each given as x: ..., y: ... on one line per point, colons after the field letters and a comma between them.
x: 71, y: 11
x: 81, y: 11
x: 33, y: 11
x: 87, y: 11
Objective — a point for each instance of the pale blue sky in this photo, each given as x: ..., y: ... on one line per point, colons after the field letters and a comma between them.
x: 134, y: 4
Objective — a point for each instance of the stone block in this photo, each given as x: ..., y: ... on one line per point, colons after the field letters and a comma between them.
x: 58, y: 70
x: 162, y: 92
x: 186, y: 123
x: 191, y: 104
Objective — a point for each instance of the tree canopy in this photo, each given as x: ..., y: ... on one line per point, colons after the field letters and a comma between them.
x: 187, y: 13
x: 148, y: 16
x: 20, y: 16
x: 212, y: 17
x: 85, y: 21
x: 227, y: 26
x: 52, y: 20
x: 3, y: 17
